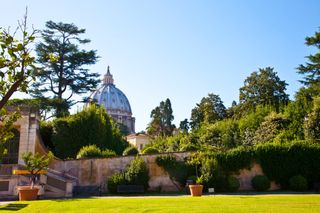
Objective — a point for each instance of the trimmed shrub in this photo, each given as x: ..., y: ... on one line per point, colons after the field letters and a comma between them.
x: 233, y: 184
x: 150, y: 150
x: 260, y: 183
x: 92, y: 151
x: 131, y: 150
x: 298, y: 183
x: 115, y: 180
x: 107, y: 153
x: 137, y: 173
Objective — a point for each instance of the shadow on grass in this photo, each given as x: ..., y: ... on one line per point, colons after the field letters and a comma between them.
x: 13, y: 207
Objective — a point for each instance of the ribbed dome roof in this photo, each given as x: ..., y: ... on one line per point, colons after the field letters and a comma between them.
x: 109, y: 96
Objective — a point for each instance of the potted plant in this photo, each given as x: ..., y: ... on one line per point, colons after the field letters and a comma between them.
x: 35, y: 164
x: 196, y: 189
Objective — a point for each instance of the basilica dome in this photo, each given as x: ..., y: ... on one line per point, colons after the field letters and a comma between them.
x: 114, y: 101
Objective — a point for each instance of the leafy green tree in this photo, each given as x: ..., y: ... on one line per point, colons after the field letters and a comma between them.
x: 64, y: 70
x: 312, y: 123
x: 269, y: 129
x: 16, y: 71
x: 250, y: 123
x: 263, y: 88
x: 296, y: 112
x: 91, y: 126
x: 161, y: 120
x: 311, y: 70
x: 184, y: 126
x: 209, y: 110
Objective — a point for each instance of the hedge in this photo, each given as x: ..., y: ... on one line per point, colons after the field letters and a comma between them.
x: 279, y: 162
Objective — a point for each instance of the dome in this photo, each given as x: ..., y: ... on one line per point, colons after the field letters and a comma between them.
x: 111, y: 98
x: 114, y: 101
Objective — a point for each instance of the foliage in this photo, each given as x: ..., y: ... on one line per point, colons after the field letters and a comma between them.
x: 223, y: 134
x: 199, y: 180
x: 46, y: 132
x: 150, y: 150
x: 209, y: 110
x: 184, y: 126
x: 34, y: 163
x: 177, y: 170
x: 116, y: 180
x: 260, y: 183
x: 311, y: 70
x: 175, y: 143
x: 161, y: 120
x: 16, y: 71
x: 16, y: 62
x: 233, y: 184
x: 92, y: 125
x: 263, y: 88
x: 92, y: 151
x: 235, y: 159
x: 270, y: 128
x: 64, y: 71
x: 6, y: 130
x: 312, y: 123
x: 45, y: 106
x: 251, y: 122
x: 131, y: 150
x: 137, y: 173
x: 298, y: 183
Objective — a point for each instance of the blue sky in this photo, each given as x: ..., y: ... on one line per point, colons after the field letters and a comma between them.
x: 182, y: 49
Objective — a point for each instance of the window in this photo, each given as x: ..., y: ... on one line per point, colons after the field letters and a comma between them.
x: 141, y: 146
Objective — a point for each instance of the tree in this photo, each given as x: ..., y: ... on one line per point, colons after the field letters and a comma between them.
x: 63, y: 73
x: 16, y: 71
x: 43, y: 105
x: 263, y: 88
x: 161, y: 120
x: 311, y: 70
x: 270, y: 128
x: 92, y: 126
x: 209, y: 110
x: 184, y: 126
x: 312, y: 122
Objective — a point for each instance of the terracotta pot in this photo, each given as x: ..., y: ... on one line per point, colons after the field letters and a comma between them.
x: 196, y: 190
x: 28, y: 193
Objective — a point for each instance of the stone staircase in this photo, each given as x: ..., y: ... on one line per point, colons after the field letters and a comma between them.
x: 58, y: 184
x: 54, y: 184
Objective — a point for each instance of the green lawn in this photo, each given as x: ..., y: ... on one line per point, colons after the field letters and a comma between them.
x: 252, y: 203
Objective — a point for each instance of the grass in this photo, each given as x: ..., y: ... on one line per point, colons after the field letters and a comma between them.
x: 252, y: 203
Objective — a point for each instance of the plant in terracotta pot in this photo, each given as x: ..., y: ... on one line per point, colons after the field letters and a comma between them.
x: 35, y: 164
x: 196, y: 189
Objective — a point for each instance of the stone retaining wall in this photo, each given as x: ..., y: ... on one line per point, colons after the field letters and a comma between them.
x: 96, y: 171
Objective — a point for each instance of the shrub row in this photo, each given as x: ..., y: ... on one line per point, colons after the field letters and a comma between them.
x: 279, y: 162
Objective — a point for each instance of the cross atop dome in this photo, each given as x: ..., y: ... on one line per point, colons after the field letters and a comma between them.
x: 108, y: 78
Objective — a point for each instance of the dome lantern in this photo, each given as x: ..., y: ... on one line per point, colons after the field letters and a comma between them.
x: 108, y: 78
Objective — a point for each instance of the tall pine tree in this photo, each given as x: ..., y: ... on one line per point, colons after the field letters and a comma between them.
x: 311, y: 70
x: 64, y: 71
